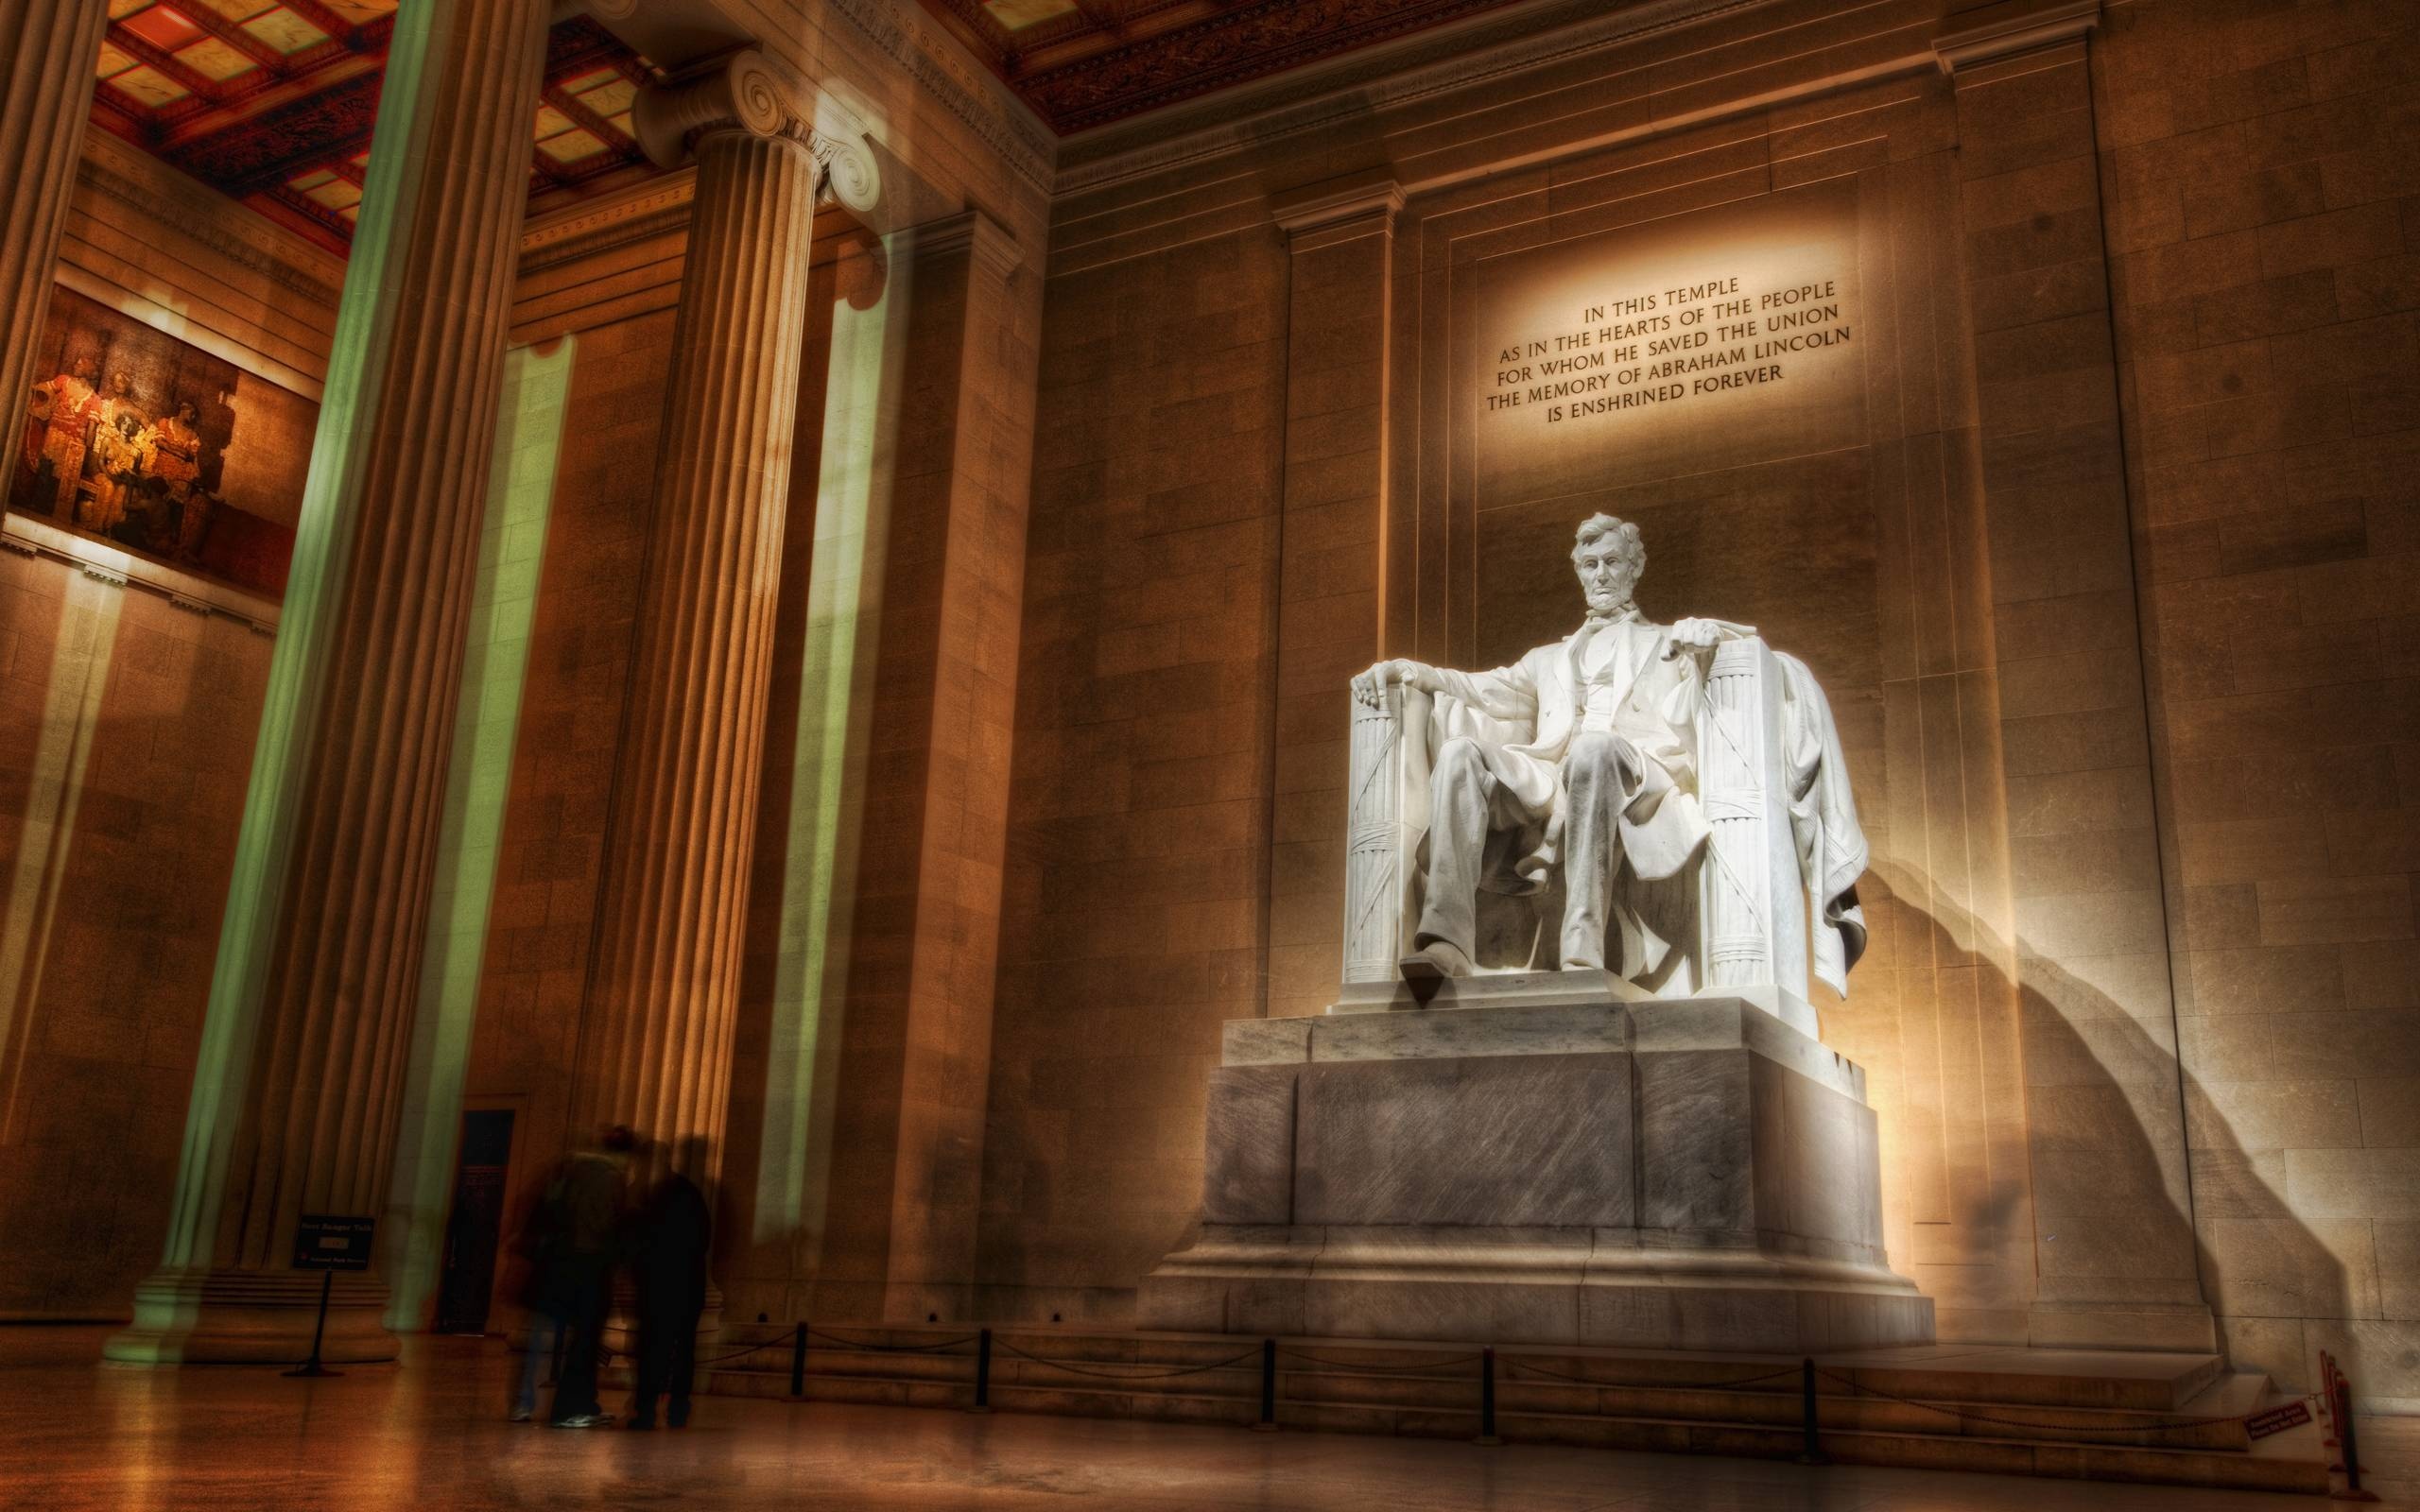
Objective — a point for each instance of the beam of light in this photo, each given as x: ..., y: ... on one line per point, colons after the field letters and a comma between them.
x: 496, y: 659
x: 836, y: 691
x: 79, y: 665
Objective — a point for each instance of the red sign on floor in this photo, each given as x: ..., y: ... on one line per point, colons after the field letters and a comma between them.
x: 2277, y: 1419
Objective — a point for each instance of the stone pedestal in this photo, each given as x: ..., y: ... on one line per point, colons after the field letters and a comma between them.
x: 1684, y: 1174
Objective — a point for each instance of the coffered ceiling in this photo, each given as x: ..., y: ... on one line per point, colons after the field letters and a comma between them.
x: 1081, y: 63
x: 272, y: 101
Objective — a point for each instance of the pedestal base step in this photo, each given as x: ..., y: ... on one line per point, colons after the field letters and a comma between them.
x: 2164, y: 1418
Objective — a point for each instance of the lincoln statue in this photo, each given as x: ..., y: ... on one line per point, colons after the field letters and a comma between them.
x: 1578, y: 772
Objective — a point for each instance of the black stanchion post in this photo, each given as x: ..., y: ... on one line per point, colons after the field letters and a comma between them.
x: 798, y: 1362
x: 319, y: 1332
x: 2333, y: 1441
x: 1267, y: 1423
x: 2341, y: 1408
x: 982, y: 1371
x: 1487, y: 1399
x: 1810, y: 1451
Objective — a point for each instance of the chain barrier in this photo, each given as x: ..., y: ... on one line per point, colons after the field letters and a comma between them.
x: 607, y: 1353
x: 1123, y: 1371
x: 2195, y: 1425
x: 736, y: 1354
x: 940, y: 1348
x: 1707, y: 1385
x: 1137, y: 1370
x: 1379, y: 1369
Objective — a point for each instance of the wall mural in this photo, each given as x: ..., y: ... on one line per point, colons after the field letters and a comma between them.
x: 132, y: 436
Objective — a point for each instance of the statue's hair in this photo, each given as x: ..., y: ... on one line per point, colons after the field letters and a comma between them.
x: 1628, y: 544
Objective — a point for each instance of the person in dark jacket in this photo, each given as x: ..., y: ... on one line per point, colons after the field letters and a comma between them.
x: 525, y: 1281
x: 670, y: 1237
x: 585, y: 1234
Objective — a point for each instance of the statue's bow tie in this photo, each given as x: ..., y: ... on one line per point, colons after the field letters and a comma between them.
x: 1621, y: 615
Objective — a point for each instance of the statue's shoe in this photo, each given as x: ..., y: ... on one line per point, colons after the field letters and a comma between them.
x: 1433, y: 963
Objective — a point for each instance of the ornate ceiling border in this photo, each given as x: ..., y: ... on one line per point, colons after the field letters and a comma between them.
x: 649, y: 209
x: 1005, y: 126
x: 1452, y: 57
x: 126, y: 173
x: 1254, y: 39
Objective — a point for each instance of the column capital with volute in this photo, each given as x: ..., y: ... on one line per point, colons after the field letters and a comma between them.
x: 746, y: 92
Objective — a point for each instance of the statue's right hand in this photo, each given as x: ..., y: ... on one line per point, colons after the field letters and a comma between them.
x: 1371, y: 686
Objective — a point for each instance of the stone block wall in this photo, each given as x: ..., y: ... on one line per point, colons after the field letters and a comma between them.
x: 1138, y: 863
x: 534, y: 966
x: 125, y: 727
x: 126, y: 746
x: 2263, y: 207
x: 2128, y: 717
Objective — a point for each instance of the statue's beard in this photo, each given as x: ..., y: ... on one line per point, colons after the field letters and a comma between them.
x: 1607, y: 603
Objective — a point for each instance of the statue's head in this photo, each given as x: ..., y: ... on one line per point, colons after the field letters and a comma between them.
x: 1611, y: 558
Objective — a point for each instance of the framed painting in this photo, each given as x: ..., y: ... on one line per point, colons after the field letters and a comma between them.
x: 132, y: 436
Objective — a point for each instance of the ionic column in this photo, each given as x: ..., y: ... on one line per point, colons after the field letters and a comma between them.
x: 655, y: 1038
x: 297, y: 1089
x: 48, y: 51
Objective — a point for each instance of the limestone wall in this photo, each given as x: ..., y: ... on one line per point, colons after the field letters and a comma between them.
x: 2100, y: 553
x: 1143, y: 799
x: 2264, y: 244
x: 129, y: 696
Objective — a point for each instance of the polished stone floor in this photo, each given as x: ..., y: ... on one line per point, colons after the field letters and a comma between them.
x: 430, y: 1434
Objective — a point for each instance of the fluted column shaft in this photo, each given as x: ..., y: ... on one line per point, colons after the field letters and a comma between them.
x: 48, y: 50
x: 656, y: 1038
x: 296, y: 1094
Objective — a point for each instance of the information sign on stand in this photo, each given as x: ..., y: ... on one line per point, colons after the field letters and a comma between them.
x: 2276, y: 1420
x: 329, y: 1244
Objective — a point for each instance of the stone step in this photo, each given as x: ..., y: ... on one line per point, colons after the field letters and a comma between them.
x: 2213, y: 1427
x: 2006, y: 1376
x: 1868, y: 1434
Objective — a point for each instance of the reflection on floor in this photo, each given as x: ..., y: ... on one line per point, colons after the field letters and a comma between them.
x: 431, y: 1435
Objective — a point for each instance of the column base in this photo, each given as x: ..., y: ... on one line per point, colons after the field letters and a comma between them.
x: 253, y: 1317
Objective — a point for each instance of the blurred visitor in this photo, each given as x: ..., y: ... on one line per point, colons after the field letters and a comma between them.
x: 670, y: 1237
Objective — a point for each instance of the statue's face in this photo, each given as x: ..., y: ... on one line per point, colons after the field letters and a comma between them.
x: 1604, y: 576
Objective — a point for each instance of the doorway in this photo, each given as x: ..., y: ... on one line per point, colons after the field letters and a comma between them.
x: 467, y: 1286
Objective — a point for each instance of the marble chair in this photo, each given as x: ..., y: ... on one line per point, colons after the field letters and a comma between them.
x: 1749, y: 935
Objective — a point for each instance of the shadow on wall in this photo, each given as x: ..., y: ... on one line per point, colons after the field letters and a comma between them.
x: 2126, y: 1194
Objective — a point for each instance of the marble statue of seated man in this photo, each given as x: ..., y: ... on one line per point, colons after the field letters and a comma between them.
x: 1578, y: 765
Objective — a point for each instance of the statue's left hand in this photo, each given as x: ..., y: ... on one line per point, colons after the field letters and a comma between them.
x: 1693, y: 635
x: 1371, y: 686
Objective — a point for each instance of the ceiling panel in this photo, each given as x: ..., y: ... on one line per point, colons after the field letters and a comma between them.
x: 1081, y: 63
x: 273, y: 101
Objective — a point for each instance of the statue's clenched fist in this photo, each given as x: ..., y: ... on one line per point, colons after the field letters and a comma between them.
x: 1693, y: 635
x: 1371, y: 686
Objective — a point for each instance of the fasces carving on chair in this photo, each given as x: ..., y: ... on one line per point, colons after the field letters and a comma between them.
x: 1668, y: 803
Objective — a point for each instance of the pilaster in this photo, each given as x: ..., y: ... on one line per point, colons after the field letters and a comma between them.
x: 2103, y: 1115
x: 1333, y: 548
x: 917, y: 1053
